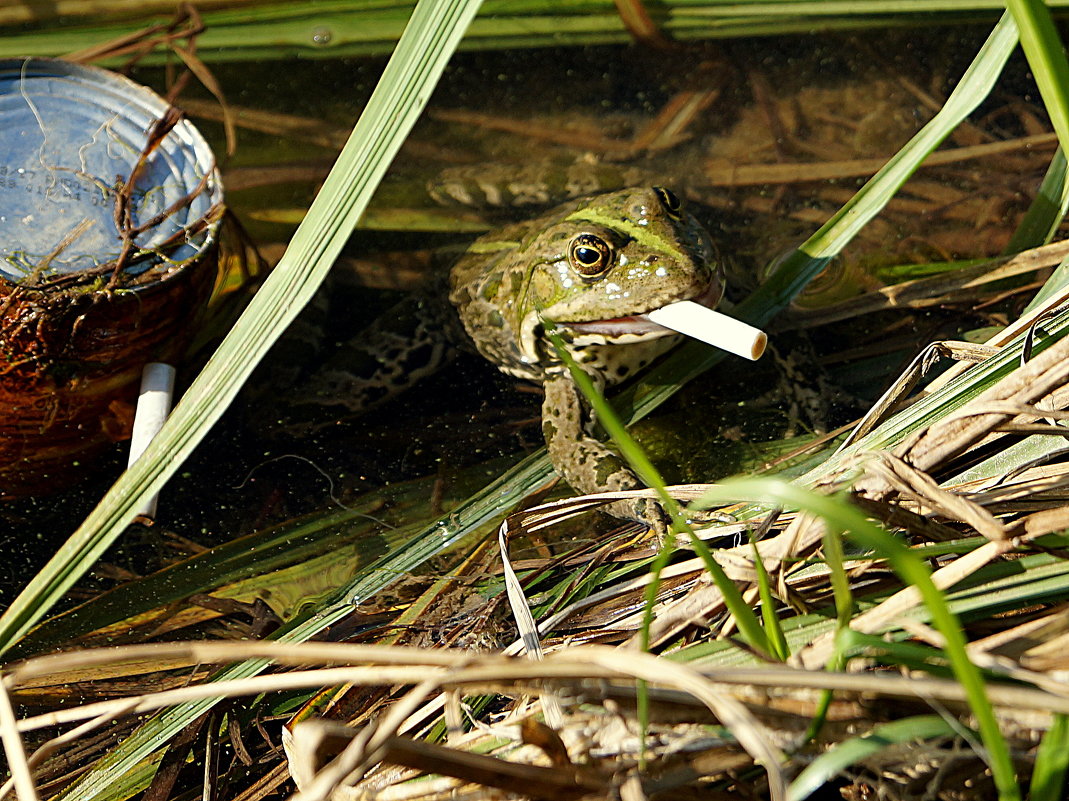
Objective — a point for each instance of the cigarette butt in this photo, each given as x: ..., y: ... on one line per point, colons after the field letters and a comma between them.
x: 153, y: 406
x: 712, y: 327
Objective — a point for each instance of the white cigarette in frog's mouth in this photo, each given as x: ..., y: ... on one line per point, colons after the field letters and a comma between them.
x: 712, y: 327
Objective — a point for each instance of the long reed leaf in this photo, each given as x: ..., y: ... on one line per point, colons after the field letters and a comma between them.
x: 433, y: 33
x: 399, y: 98
x: 831, y: 763
x: 335, y: 28
x: 1043, y: 48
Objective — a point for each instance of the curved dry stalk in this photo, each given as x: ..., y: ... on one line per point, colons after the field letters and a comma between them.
x: 953, y: 435
x: 574, y: 668
x: 921, y: 487
x: 18, y: 764
x: 178, y: 654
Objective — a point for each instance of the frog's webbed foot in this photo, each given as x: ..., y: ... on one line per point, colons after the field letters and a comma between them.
x: 588, y: 465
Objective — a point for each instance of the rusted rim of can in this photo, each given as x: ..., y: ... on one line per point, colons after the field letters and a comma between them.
x: 102, y: 184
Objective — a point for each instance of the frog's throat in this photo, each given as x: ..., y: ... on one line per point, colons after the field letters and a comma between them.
x: 639, y: 233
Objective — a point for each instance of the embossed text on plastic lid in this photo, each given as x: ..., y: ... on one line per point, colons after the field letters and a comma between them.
x: 70, y: 138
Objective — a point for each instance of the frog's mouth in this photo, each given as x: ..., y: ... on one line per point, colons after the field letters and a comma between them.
x: 640, y: 326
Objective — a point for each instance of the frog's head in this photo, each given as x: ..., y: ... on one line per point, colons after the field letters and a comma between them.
x: 600, y: 269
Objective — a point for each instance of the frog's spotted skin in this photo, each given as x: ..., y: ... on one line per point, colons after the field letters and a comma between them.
x: 594, y: 268
x: 389, y: 356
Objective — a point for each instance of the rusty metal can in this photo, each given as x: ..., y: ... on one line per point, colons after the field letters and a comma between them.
x: 110, y: 205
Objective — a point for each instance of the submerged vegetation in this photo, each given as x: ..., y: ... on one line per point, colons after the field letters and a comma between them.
x: 875, y: 614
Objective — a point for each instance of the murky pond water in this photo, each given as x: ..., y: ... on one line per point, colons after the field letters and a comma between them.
x: 764, y: 139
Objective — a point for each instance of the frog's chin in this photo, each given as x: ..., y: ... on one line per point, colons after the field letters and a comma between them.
x: 638, y: 327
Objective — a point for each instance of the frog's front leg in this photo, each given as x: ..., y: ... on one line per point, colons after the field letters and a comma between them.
x: 584, y: 462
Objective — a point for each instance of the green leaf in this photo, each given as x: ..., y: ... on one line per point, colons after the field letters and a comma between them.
x: 777, y: 643
x: 1052, y: 761
x: 832, y: 762
x: 431, y: 37
x: 1043, y: 48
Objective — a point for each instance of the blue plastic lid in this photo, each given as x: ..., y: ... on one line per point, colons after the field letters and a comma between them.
x: 69, y: 136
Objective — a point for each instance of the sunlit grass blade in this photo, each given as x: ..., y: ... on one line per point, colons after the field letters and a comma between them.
x: 1043, y: 48
x: 834, y: 761
x: 777, y: 643
x: 389, y: 115
x: 433, y: 33
x: 1052, y: 762
x: 792, y: 274
x: 1046, y: 56
x: 839, y: 515
x: 745, y: 619
x: 835, y: 558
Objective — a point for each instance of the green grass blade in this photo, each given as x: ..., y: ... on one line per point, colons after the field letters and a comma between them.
x: 840, y: 515
x: 793, y: 273
x: 1043, y: 48
x: 744, y: 615
x: 400, y: 96
x: 777, y: 643
x: 834, y: 557
x: 1052, y: 761
x: 832, y: 762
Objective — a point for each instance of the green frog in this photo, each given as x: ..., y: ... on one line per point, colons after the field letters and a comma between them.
x: 593, y: 268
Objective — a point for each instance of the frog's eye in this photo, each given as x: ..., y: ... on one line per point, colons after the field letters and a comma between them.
x: 590, y: 255
x: 671, y: 202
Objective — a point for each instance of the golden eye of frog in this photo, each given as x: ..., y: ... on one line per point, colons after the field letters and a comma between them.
x: 594, y: 268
